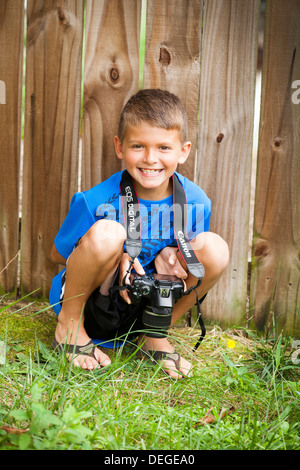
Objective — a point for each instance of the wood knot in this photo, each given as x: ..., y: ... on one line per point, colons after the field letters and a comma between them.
x: 61, y: 14
x: 220, y: 137
x: 63, y: 17
x: 261, y: 248
x: 164, y: 56
x: 277, y: 142
x: 114, y: 74
x: 32, y: 103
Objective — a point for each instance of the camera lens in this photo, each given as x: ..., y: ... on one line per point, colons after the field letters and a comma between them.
x: 157, y: 320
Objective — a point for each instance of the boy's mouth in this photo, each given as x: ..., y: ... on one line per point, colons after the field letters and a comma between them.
x: 150, y: 171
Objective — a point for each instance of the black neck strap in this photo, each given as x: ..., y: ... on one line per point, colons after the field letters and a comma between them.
x: 131, y: 211
x: 133, y: 227
x: 179, y: 226
x: 132, y: 222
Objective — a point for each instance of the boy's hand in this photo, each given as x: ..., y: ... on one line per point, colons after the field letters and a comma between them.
x: 167, y: 262
x: 124, y: 265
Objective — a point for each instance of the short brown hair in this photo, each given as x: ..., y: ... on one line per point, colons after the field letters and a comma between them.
x: 158, y: 108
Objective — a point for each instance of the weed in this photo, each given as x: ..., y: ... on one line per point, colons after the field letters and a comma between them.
x: 249, y: 388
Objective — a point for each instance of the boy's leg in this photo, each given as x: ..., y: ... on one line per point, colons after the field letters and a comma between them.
x: 212, y: 252
x: 89, y: 266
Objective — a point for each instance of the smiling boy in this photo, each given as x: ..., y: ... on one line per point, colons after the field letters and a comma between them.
x: 152, y: 142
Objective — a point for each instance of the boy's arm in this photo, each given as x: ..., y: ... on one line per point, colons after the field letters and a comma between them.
x: 56, y: 256
x: 123, y: 267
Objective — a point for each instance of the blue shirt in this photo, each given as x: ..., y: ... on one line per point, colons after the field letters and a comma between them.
x: 104, y: 201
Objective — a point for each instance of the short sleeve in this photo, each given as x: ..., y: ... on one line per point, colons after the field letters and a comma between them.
x: 77, y: 222
x: 207, y: 212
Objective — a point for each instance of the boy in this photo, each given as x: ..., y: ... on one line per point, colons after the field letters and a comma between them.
x: 152, y: 142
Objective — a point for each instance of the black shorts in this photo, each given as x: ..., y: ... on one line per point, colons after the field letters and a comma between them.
x: 109, y: 316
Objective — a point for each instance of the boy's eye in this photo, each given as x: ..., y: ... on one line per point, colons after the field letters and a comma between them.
x: 164, y: 147
x: 137, y: 146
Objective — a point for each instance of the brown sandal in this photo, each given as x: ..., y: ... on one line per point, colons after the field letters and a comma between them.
x: 86, y: 350
x: 156, y: 356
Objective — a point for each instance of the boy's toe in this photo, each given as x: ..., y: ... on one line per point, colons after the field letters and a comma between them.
x: 102, y: 358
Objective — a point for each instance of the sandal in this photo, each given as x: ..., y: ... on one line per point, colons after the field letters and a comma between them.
x: 86, y: 350
x: 156, y: 356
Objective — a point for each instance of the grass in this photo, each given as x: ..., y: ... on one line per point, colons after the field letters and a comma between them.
x: 47, y: 404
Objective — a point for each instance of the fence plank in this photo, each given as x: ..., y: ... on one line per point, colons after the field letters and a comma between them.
x: 52, y: 114
x: 11, y: 65
x: 276, y: 247
x: 226, y: 115
x: 111, y: 76
x: 172, y: 59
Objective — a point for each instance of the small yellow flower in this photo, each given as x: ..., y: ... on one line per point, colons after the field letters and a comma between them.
x: 231, y: 344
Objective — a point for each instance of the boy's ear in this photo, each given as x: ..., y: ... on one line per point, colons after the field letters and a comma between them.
x: 118, y: 147
x: 185, y: 150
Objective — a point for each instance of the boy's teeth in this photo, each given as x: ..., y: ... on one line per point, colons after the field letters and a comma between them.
x: 144, y: 170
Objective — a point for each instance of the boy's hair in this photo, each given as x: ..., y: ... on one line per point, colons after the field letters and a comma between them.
x: 158, y: 108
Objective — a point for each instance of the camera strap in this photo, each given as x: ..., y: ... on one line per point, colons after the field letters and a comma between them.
x: 194, y: 266
x: 133, y: 242
x: 179, y: 225
x: 131, y: 210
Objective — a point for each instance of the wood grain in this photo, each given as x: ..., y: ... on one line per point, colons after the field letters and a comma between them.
x: 11, y: 66
x: 275, y: 292
x: 205, y: 52
x: 226, y: 115
x: 172, y: 60
x: 111, y: 77
x: 52, y: 114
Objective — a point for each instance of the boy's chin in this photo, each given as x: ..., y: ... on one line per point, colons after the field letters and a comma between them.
x: 154, y: 181
x: 154, y: 188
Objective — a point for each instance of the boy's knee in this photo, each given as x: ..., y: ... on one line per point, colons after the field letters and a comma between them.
x: 213, y: 251
x: 218, y: 252
x: 222, y: 254
x: 105, y: 237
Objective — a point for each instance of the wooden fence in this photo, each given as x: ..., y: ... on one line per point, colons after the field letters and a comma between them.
x: 206, y: 52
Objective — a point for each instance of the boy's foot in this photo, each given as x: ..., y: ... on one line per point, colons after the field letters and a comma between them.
x: 76, y: 352
x: 94, y: 357
x: 161, y: 351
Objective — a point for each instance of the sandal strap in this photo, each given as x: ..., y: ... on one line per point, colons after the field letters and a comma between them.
x: 174, y: 356
x: 159, y: 355
x: 85, y: 350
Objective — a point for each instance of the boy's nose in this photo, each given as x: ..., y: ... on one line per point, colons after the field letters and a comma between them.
x: 150, y: 156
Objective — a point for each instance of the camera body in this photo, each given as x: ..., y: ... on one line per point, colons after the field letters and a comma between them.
x: 160, y: 292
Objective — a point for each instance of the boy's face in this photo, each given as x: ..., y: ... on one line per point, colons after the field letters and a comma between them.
x: 151, y: 156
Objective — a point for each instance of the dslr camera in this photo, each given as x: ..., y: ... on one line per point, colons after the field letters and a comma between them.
x: 160, y: 292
